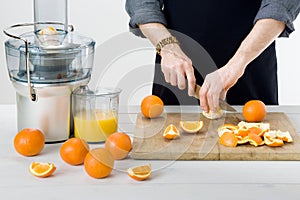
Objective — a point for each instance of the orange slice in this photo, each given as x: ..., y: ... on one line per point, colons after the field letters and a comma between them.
x: 255, y: 139
x: 171, y: 132
x: 42, y: 170
x: 191, y: 126
x: 140, y: 173
x: 228, y: 139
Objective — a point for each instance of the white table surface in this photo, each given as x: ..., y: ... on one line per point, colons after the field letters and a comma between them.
x: 170, y: 179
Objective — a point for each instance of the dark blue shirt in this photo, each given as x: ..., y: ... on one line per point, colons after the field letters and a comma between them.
x: 148, y: 11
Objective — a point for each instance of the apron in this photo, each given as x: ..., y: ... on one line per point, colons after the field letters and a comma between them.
x: 210, y: 32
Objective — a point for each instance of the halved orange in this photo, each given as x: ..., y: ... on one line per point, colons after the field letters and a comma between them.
x: 140, y: 173
x: 41, y: 170
x: 191, y: 126
x: 228, y: 139
x: 255, y: 139
x: 171, y: 132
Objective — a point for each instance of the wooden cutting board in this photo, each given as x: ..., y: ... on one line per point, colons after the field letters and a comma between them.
x: 148, y: 141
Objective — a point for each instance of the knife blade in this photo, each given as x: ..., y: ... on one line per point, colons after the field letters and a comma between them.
x: 222, y: 103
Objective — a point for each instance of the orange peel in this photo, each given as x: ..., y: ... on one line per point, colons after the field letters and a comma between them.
x: 284, y: 135
x: 226, y: 128
x: 242, y: 140
x: 229, y: 139
x: 243, y: 132
x: 264, y: 127
x: 277, y: 138
x: 255, y: 139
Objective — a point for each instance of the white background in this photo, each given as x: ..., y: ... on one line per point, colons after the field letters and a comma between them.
x: 104, y: 20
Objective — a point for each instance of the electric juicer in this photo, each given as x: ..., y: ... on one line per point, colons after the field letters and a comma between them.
x: 45, y: 65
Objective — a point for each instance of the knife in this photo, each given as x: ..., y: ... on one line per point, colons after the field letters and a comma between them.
x: 223, y: 104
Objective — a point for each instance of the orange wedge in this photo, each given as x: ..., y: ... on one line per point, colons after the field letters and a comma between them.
x: 255, y: 139
x: 191, y: 126
x: 171, y: 132
x: 140, y: 173
x: 41, y: 170
x: 228, y: 139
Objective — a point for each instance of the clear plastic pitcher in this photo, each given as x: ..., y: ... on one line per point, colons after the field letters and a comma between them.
x: 95, y: 113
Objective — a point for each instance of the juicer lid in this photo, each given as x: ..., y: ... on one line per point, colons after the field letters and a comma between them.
x: 72, y: 41
x: 69, y: 60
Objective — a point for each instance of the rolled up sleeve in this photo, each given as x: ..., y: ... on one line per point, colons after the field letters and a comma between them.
x: 142, y: 12
x: 281, y: 10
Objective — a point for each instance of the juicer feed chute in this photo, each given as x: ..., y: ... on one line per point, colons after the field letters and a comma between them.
x: 45, y: 65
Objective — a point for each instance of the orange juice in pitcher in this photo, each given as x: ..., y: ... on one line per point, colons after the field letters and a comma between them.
x: 95, y: 113
x: 95, y: 127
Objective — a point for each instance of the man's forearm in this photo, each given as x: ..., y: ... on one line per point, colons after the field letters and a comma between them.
x: 155, y: 32
x: 264, y: 32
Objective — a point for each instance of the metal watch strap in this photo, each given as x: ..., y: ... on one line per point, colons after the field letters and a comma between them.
x: 164, y: 42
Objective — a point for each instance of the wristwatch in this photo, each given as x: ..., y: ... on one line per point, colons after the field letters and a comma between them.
x: 164, y: 42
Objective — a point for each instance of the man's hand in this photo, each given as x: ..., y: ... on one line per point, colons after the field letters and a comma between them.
x: 177, y: 67
x: 217, y: 83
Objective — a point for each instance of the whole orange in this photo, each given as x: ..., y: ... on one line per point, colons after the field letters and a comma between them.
x: 74, y: 150
x: 29, y: 142
x: 152, y: 106
x: 99, y: 163
x: 119, y: 145
x: 254, y: 111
